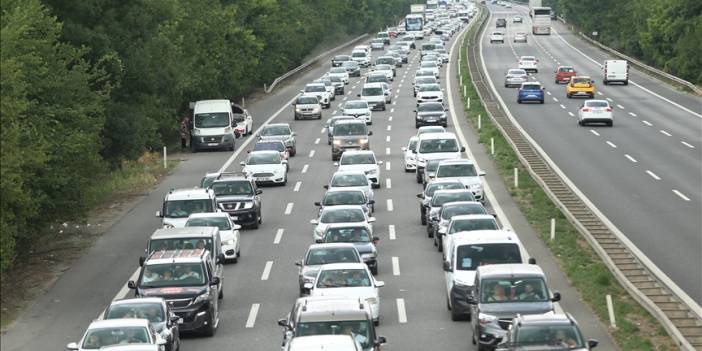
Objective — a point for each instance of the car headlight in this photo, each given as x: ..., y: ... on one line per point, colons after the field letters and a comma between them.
x: 372, y: 301
x: 168, y: 225
x: 369, y: 256
x: 230, y: 242
x: 196, y: 131
x: 298, y: 109
x: 201, y: 298
x: 337, y: 142
x: 372, y: 171
x: 248, y: 205
x: 364, y: 141
x: 421, y: 160
x: 486, y: 318
x: 475, y: 186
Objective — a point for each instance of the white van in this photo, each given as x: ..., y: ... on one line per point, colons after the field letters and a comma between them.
x: 616, y: 71
x: 213, y: 125
x: 436, y: 146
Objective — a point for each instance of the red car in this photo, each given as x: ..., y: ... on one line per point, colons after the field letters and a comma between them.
x: 564, y: 73
x: 392, y: 32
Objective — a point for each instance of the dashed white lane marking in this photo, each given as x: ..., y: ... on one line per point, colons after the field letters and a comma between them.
x: 563, y: 107
x: 387, y: 139
x: 391, y: 232
x: 647, y: 123
x: 388, y: 183
x: 620, y: 107
x: 297, y: 186
x: 387, y: 166
x: 312, y: 153
x: 687, y: 144
x: 389, y: 205
x: 389, y: 128
x: 665, y: 133
x: 316, y: 141
x: 346, y: 97
x: 594, y: 132
x: 548, y: 93
x: 334, y: 112
x: 278, y: 236
x: 322, y: 131
x: 401, y: 313
x: 632, y: 114
x: 392, y: 110
x: 267, y: 270
x: 599, y: 93
x: 555, y: 99
x: 289, y: 208
x: 571, y: 114
x: 630, y: 158
x: 611, y: 144
x: 682, y: 196
x: 395, y: 266
x: 252, y: 315
x: 390, y: 119
x: 653, y: 175
x: 610, y: 100
x: 387, y: 151
x: 304, y: 168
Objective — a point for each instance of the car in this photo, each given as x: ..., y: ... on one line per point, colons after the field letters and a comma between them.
x: 154, y: 309
x: 307, y: 106
x: 359, y: 109
x: 530, y: 91
x: 318, y: 255
x: 462, y: 223
x: 410, y: 152
x: 443, y: 54
x: 564, y: 74
x: 595, y: 111
x: 546, y: 331
x: 528, y: 63
x: 325, y: 342
x: 397, y: 57
x: 520, y: 37
x: 615, y: 71
x: 102, y: 333
x: 243, y: 120
x: 349, y: 280
x: 282, y: 132
x: 375, y: 95
x: 410, y: 40
x: 580, y: 86
x: 436, y: 146
x: 178, y: 204
x: 338, y: 84
x: 340, y: 214
x: 328, y: 85
x: 320, y: 91
x: 497, y: 37
x: 377, y: 77
x: 466, y: 172
x: 350, y: 180
x: 349, y: 135
x: 388, y: 70
x: 266, y: 167
x: 430, y: 129
x: 228, y: 232
x: 441, y: 197
x: 430, y: 113
x: 353, y: 68
x: 365, y: 48
x: 386, y: 60
x: 430, y: 93
x: 420, y: 80
x: 276, y: 145
x: 432, y: 57
x: 431, y: 66
x: 362, y: 161
x: 384, y: 36
x: 339, y: 60
x: 207, y: 180
x: 404, y: 52
x: 340, y: 72
x: 330, y: 125
x: 515, y: 76
x: 501, y: 22
x: 360, y: 236
x: 239, y: 197
x: 346, y: 196
x: 377, y: 44
x: 361, y: 57
x: 517, y: 19
x: 211, y: 127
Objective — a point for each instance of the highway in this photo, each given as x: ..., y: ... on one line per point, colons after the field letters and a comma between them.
x: 262, y: 287
x: 645, y: 173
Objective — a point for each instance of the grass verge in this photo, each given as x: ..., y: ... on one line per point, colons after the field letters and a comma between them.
x: 636, y: 328
x: 63, y: 243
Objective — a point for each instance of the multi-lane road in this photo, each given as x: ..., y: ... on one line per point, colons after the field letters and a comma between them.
x: 645, y: 173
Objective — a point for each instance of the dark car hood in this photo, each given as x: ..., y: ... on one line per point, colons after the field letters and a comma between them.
x: 511, y: 309
x: 227, y: 198
x: 431, y: 114
x: 169, y: 293
x: 364, y: 247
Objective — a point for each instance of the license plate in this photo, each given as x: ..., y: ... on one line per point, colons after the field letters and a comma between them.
x: 180, y: 320
x: 595, y: 111
x: 211, y: 144
x: 533, y: 96
x: 234, y: 218
x: 431, y: 120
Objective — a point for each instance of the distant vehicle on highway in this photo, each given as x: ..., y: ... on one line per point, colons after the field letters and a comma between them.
x: 307, y: 107
x: 564, y: 74
x: 410, y: 154
x: 155, y: 310
x: 517, y: 19
x: 282, y: 132
x: 580, y: 86
x: 103, y: 333
x: 520, y: 37
x: 266, y: 167
x: 212, y: 125
x: 595, y: 111
x: 515, y: 76
x: 501, y: 23
x: 530, y: 91
x: 318, y: 255
x: 497, y: 37
x: 529, y: 63
x: 178, y: 204
x: 616, y: 71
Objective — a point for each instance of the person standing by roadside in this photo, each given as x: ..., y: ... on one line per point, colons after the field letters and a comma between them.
x: 185, y: 132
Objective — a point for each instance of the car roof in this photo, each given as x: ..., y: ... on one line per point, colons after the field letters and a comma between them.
x: 345, y: 265
x: 119, y: 322
x: 510, y: 270
x: 349, y: 225
x: 260, y: 152
x: 138, y: 300
x: 546, y: 319
x: 358, y: 152
x: 323, y: 342
x: 189, y: 194
x: 486, y: 236
x: 277, y: 125
x: 456, y: 161
x: 208, y: 215
x: 450, y: 191
x: 444, y: 135
x: 165, y: 233
x: 469, y: 217
x: 342, y: 207
x: 347, y: 172
x: 373, y: 85
x: 462, y: 203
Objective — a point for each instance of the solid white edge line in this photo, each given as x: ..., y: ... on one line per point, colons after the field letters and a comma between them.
x: 395, y: 266
x: 401, y: 312
x: 278, y: 236
x: 267, y: 270
x: 389, y: 205
x: 251, y: 321
x: 289, y: 208
x: 681, y: 195
x: 391, y: 232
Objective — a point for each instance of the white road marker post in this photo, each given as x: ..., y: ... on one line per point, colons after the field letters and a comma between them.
x: 243, y: 102
x: 516, y: 177
x: 466, y: 94
x: 480, y: 121
x: 610, y: 310
x: 492, y: 146
x: 553, y: 229
x: 165, y: 158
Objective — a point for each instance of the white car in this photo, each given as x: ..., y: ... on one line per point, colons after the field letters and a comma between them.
x: 430, y: 66
x: 348, y: 279
x: 497, y: 37
x: 430, y: 129
x: 430, y: 93
x: 359, y: 109
x: 529, y: 63
x: 106, y: 332
x: 443, y: 54
x: 339, y: 214
x: 520, y: 37
x: 339, y: 72
x: 517, y: 19
x: 352, y: 180
x: 361, y: 57
x: 365, y: 48
x: 410, y: 154
x: 423, y: 80
x: 377, y: 44
x: 465, y: 223
x: 361, y: 161
x: 375, y: 95
x: 432, y: 58
x: 385, y: 69
x: 463, y: 170
x: 516, y: 77
x: 228, y: 231
x: 595, y: 111
x: 266, y: 167
x: 320, y: 91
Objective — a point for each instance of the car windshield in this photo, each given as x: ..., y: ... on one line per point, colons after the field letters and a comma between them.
x: 429, y: 87
x: 263, y: 158
x: 384, y: 67
x: 360, y: 329
x: 347, y: 235
x: 433, y: 187
x: 372, y: 91
x: 581, y: 81
x: 356, y: 105
x: 343, y: 278
x: 470, y: 257
x: 439, y: 199
x: 212, y: 120
x: 232, y: 188
x: 438, y: 145
x: 528, y: 58
x: 428, y: 47
x: 322, y: 256
x: 430, y: 107
x: 347, y: 129
x: 461, y: 170
x: 532, y: 289
x: 336, y: 79
x: 315, y: 88
x: 345, y: 180
x: 172, y: 275
x: 516, y: 72
x: 376, y: 78
x: 344, y: 198
x: 351, y: 64
x: 425, y: 80
x: 346, y: 215
x: 566, y: 69
x: 597, y: 104
x: 183, y: 208
x: 276, y: 130
x: 358, y: 159
x: 307, y: 100
x: 238, y: 118
x: 467, y: 225
x: 269, y: 146
x: 337, y: 70
x: 97, y: 338
x: 219, y: 222
x: 429, y: 64
x: 531, y: 87
x: 432, y: 165
x: 567, y: 336
x: 180, y: 243
x: 208, y: 180
x: 359, y: 54
x: 152, y: 311
x: 449, y: 211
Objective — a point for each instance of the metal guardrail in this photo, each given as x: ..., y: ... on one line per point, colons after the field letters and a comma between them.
x: 275, y: 82
x: 677, y: 312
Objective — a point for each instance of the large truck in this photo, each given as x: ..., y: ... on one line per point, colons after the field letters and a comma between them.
x: 417, y: 9
x: 532, y: 4
x: 541, y: 20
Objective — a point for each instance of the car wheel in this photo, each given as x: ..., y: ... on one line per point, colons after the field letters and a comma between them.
x: 455, y: 316
x: 296, y: 118
x: 374, y: 271
x: 209, y: 329
x: 626, y: 82
x: 285, y: 180
x: 568, y: 95
x: 519, y: 101
x: 419, y: 179
x: 430, y: 231
x: 445, y: 125
x: 610, y: 123
x: 605, y: 82
x: 422, y: 215
x: 293, y: 152
x: 231, y: 148
x: 416, y: 125
x: 541, y: 102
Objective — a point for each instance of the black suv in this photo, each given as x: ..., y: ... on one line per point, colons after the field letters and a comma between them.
x: 238, y: 196
x: 545, y: 332
x: 501, y: 22
x: 188, y: 283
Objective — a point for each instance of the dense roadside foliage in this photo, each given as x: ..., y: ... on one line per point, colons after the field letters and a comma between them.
x: 664, y: 33
x: 87, y: 84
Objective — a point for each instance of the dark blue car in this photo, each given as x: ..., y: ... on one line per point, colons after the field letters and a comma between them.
x: 531, y: 91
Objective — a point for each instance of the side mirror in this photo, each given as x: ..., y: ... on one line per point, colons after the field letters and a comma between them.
x: 141, y: 261
x: 404, y: 148
x: 447, y: 266
x: 359, y: 95
x: 158, y: 214
x: 131, y: 284
x: 375, y: 239
x: 371, y: 202
x: 532, y: 260
x: 336, y: 164
x: 325, y: 186
x: 381, y: 340
x: 237, y: 227
x: 380, y: 162
x: 221, y: 258
x: 463, y: 148
x: 174, y: 319
x: 259, y: 191
x: 446, y: 110
x: 242, y: 163
x: 414, y: 110
x: 298, y: 263
x: 319, y: 241
x: 317, y: 203
x: 72, y: 346
x: 283, y: 323
x: 482, y: 173
x: 379, y: 284
x: 592, y: 343
x: 370, y: 132
x: 308, y: 286
x: 293, y: 134
x: 556, y: 296
x: 314, y: 221
x: 420, y: 195
x: 214, y: 281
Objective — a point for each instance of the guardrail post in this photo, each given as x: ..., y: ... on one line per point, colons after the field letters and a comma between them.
x: 553, y: 228
x: 516, y: 177
x: 492, y: 146
x: 165, y: 158
x: 610, y: 310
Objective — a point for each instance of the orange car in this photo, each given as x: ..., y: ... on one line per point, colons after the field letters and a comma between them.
x: 581, y: 86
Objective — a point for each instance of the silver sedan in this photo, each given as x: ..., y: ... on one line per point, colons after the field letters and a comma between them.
x: 515, y: 77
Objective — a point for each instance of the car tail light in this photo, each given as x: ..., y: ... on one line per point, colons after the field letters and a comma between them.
x: 586, y: 109
x: 608, y: 109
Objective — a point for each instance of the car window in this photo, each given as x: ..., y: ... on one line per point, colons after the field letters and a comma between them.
x: 347, y: 235
x: 347, y: 215
x: 596, y: 104
x: 514, y: 289
x: 566, y: 335
x: 322, y: 256
x: 460, y: 170
x: 263, y: 158
x: 144, y: 310
x: 314, y: 88
x: 96, y: 338
x: 372, y: 91
x: 531, y: 87
x: 356, y: 159
x: 438, y: 145
x: 566, y: 69
x: 360, y: 328
x: 183, y: 208
x: 269, y: 146
x: 430, y: 87
x: 470, y: 257
x: 336, y: 278
x: 232, y: 188
x: 430, y: 107
x: 433, y: 187
x: 276, y: 130
x: 352, y: 105
x: 440, y: 199
x: 346, y: 180
x: 211, y: 120
x: 463, y: 209
x: 348, y: 129
x: 219, y: 222
x: 581, y: 81
x: 344, y: 198
x: 173, y: 275
x: 467, y: 225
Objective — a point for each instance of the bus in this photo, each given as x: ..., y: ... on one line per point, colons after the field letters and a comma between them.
x: 414, y: 24
x: 432, y: 5
x: 541, y: 20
